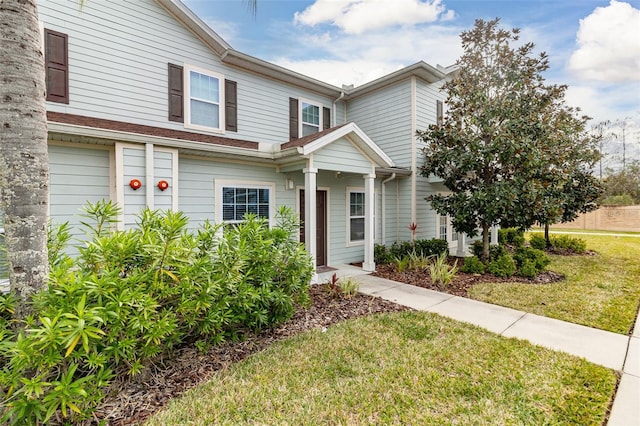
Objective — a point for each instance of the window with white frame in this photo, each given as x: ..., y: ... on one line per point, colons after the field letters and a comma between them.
x: 235, y: 199
x: 205, y: 106
x: 356, y: 216
x: 443, y: 227
x: 311, y: 121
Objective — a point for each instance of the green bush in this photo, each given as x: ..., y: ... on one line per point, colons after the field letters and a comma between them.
x: 440, y: 272
x: 566, y: 242
x: 503, y: 266
x: 473, y: 265
x: 426, y: 248
x: 495, y: 250
x: 512, y: 236
x: 538, y: 241
x: 537, y: 258
x: 132, y: 295
x: 528, y: 269
x: 381, y: 255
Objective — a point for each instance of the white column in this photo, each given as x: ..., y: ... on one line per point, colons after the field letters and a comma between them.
x: 369, y: 264
x: 462, y: 245
x: 310, y: 215
x: 494, y: 235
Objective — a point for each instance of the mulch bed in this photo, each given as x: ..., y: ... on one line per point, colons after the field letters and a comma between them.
x: 462, y: 282
x: 132, y: 400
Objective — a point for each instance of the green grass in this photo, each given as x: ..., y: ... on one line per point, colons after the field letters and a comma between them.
x: 409, y: 368
x: 601, y: 291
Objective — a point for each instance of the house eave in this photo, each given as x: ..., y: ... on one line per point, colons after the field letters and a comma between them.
x: 76, y: 133
x: 264, y: 68
x: 190, y: 20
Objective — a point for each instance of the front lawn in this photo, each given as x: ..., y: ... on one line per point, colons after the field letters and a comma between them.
x: 601, y: 291
x: 407, y: 368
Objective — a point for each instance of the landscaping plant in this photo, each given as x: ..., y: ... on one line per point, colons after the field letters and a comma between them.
x: 441, y: 272
x: 132, y: 295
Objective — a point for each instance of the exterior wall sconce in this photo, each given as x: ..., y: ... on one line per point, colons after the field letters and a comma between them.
x: 135, y: 184
x: 163, y: 184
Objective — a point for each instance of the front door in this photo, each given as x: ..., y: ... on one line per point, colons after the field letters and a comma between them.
x: 321, y: 225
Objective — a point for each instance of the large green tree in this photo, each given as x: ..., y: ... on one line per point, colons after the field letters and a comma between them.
x: 24, y: 168
x: 506, y: 141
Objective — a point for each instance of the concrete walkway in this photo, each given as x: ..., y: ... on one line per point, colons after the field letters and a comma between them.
x: 611, y: 350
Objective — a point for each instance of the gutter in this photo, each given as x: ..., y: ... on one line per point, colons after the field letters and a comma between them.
x: 333, y: 117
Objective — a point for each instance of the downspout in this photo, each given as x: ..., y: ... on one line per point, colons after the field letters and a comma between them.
x: 333, y: 118
x: 384, y: 207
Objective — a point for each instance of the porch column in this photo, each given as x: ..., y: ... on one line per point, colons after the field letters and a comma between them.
x: 494, y: 235
x: 369, y: 264
x: 310, y: 215
x: 462, y: 245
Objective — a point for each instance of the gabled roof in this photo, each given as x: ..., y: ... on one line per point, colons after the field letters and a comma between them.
x: 349, y: 131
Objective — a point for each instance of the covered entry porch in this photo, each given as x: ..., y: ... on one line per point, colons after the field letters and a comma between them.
x: 337, y: 155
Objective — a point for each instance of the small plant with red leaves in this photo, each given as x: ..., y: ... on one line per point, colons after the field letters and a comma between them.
x: 413, y: 227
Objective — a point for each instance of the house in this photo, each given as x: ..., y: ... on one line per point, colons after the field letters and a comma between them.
x: 148, y: 106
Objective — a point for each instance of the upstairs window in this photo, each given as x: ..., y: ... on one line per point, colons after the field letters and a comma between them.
x: 204, y: 99
x: 310, y: 122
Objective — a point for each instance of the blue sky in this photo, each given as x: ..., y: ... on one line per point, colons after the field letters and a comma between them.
x: 593, y: 45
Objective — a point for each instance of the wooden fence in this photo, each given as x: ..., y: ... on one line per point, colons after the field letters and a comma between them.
x: 607, y: 218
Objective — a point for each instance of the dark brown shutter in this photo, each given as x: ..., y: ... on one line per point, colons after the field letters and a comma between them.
x: 176, y: 93
x: 56, y: 56
x: 326, y: 118
x: 439, y: 116
x: 293, y: 118
x: 231, y: 105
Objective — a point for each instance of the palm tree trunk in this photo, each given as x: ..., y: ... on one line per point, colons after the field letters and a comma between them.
x: 24, y: 163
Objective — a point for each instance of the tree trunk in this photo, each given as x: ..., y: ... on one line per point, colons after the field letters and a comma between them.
x: 24, y: 163
x: 485, y: 242
x: 546, y: 235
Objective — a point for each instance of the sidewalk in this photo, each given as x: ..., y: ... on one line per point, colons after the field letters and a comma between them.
x: 615, y: 351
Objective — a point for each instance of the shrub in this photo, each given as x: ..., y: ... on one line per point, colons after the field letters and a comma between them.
x: 473, y: 265
x: 132, y: 295
x: 401, y: 264
x: 503, y: 266
x: 538, y: 259
x: 425, y: 248
x: 538, y: 241
x: 440, y: 272
x: 566, y: 242
x: 342, y: 287
x: 381, y: 255
x: 512, y: 236
x: 418, y: 261
x: 495, y: 250
x: 528, y: 269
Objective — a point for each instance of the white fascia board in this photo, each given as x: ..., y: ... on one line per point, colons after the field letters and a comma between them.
x: 119, y: 136
x: 362, y: 140
x: 181, y: 12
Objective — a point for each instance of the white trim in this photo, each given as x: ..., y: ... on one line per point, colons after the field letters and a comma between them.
x: 327, y: 215
x: 382, y: 159
x: 414, y: 152
x: 187, y: 99
x: 221, y: 183
x: 301, y: 123
x: 149, y: 164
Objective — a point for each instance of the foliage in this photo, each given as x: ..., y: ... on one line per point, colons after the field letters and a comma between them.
x: 426, y: 248
x: 441, y: 272
x: 342, y: 287
x: 418, y: 261
x: 503, y: 266
x: 623, y: 182
x: 495, y: 250
x: 132, y: 295
x: 472, y: 265
x: 513, y: 236
x: 618, y: 200
x: 530, y: 261
x: 401, y: 263
x: 566, y: 242
x: 381, y: 255
x: 538, y: 241
x: 506, y: 138
x: 559, y: 243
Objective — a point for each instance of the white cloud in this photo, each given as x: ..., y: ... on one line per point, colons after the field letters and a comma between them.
x: 361, y: 16
x: 609, y: 44
x: 350, y: 59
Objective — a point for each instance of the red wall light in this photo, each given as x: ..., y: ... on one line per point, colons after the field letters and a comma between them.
x: 163, y: 184
x: 135, y: 184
